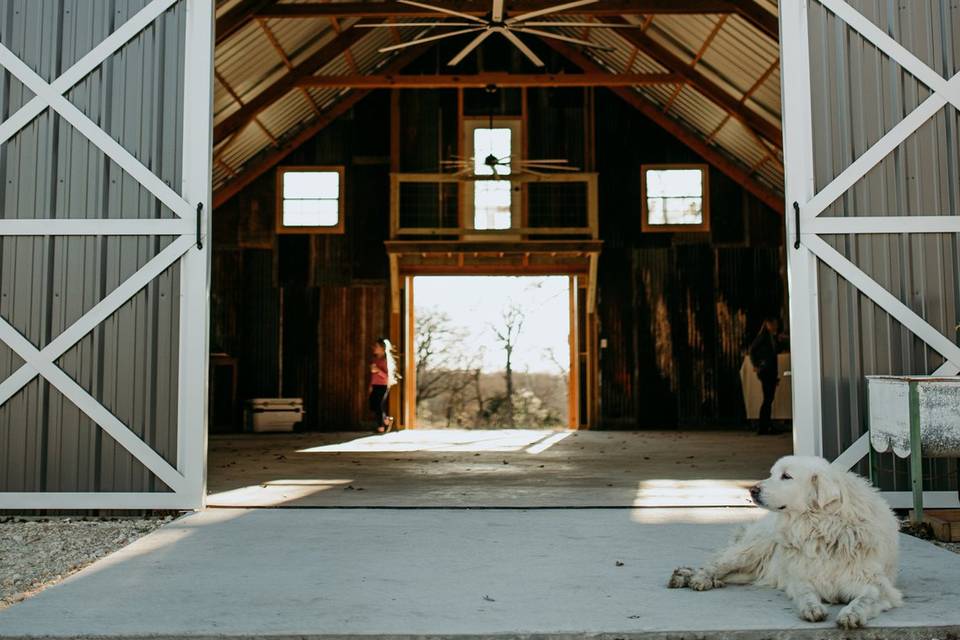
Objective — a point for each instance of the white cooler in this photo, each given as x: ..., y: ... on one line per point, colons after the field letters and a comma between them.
x: 272, y: 415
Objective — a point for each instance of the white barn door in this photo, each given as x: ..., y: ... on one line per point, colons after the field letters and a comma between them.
x: 870, y: 99
x: 105, y: 154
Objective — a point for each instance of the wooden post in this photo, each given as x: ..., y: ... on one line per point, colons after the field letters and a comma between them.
x: 573, y: 378
x: 916, y: 457
x: 395, y: 332
x: 410, y: 352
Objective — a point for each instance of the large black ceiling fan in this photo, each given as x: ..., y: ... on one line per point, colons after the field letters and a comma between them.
x: 497, y: 21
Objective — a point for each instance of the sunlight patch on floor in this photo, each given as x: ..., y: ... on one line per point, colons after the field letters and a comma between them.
x: 447, y: 440
x: 697, y: 515
x: 693, y: 493
x: 274, y: 492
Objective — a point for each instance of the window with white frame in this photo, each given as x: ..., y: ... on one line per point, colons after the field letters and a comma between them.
x: 310, y: 200
x: 675, y: 197
x: 492, y: 199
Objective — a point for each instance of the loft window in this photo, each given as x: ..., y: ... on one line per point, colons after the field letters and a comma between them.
x: 310, y: 200
x: 492, y: 199
x: 675, y: 197
x: 491, y: 204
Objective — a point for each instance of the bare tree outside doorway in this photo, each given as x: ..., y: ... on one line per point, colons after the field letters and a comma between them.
x: 494, y: 372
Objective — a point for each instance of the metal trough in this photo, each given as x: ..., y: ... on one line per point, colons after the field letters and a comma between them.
x: 915, y: 416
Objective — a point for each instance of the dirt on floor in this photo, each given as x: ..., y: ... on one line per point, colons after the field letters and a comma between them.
x: 38, y: 552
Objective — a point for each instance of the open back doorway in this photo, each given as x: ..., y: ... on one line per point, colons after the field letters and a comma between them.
x: 493, y: 352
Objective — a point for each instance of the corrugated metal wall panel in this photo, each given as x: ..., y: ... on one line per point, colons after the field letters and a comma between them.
x: 858, y: 95
x: 49, y: 170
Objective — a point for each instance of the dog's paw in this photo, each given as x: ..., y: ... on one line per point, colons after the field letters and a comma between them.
x: 814, y: 613
x: 851, y: 620
x: 701, y: 581
x: 680, y: 578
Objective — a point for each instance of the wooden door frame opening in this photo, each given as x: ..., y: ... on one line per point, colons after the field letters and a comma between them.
x: 583, y: 382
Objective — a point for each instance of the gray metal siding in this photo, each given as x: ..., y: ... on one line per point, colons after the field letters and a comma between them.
x: 858, y: 95
x: 49, y: 170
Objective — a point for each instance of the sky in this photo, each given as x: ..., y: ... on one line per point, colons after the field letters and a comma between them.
x: 476, y: 302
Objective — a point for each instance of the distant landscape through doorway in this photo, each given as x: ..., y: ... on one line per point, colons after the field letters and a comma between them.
x: 492, y: 351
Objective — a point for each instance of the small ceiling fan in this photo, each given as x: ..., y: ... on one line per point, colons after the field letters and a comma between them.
x: 505, y: 166
x: 497, y: 22
x: 495, y: 167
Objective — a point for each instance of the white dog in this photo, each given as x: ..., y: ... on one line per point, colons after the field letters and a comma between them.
x: 830, y: 537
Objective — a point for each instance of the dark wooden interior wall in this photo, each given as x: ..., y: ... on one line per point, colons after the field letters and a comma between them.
x: 334, y: 286
x: 677, y: 310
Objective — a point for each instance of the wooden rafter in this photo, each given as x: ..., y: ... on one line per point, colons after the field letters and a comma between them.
x: 347, y: 54
x: 238, y: 17
x: 271, y: 157
x: 708, y: 40
x: 236, y: 98
x: 693, y: 63
x: 481, y: 80
x: 739, y: 174
x: 703, y: 84
x: 390, y: 9
x: 749, y: 92
x: 285, y: 84
x: 268, y: 32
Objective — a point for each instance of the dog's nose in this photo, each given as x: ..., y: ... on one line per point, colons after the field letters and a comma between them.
x: 755, y: 490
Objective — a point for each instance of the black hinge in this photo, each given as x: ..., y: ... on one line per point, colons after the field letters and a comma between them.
x: 199, y: 225
x: 796, y: 225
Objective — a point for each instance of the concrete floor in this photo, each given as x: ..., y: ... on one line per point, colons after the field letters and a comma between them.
x: 498, y: 468
x: 414, y: 573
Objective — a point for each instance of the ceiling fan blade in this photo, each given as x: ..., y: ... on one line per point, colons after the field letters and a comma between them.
x: 383, y: 25
x: 518, y: 43
x: 535, y: 173
x: 497, y: 14
x: 557, y: 36
x: 547, y: 160
x: 552, y: 167
x: 579, y: 25
x: 443, y: 10
x: 455, y: 60
x: 543, y: 12
x: 439, y: 36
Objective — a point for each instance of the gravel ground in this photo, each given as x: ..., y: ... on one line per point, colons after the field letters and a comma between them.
x: 38, y: 552
x: 952, y: 546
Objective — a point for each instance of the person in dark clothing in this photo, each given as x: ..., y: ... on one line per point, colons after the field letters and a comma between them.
x: 763, y: 355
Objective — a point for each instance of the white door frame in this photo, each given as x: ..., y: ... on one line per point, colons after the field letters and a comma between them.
x: 191, y: 228
x: 807, y: 249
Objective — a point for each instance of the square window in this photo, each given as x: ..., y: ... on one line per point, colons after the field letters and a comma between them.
x: 675, y: 198
x: 309, y: 200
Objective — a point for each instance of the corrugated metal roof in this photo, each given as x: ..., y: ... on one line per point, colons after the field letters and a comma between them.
x: 740, y: 59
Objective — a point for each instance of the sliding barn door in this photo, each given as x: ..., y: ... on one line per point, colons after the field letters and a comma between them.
x: 872, y: 147
x: 105, y: 129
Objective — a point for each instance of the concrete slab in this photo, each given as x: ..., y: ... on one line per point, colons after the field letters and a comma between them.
x: 350, y: 573
x: 490, y: 468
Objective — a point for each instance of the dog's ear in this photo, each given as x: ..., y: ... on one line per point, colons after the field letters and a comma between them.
x: 826, y: 491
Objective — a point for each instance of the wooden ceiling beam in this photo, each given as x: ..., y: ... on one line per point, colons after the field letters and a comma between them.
x: 740, y: 175
x: 703, y: 84
x: 390, y: 9
x: 481, y: 80
x: 256, y: 105
x: 235, y: 19
x: 761, y: 19
x: 272, y: 157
